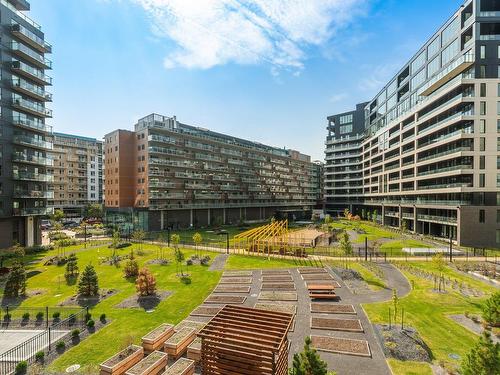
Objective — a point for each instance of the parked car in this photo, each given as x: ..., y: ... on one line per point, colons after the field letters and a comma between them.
x: 70, y: 224
x: 45, y: 225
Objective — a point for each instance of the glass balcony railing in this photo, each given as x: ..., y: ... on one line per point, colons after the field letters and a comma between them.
x: 447, y: 169
x: 440, y: 219
x: 446, y: 136
x: 31, y: 176
x: 33, y: 73
x: 35, y: 194
x: 31, y: 106
x: 21, y: 15
x: 29, y: 54
x: 33, y: 211
x: 32, y: 159
x: 446, y: 186
x: 30, y: 123
x: 32, y: 141
x: 28, y: 36
x: 31, y: 88
x: 444, y: 153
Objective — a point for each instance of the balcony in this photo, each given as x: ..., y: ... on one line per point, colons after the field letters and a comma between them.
x: 29, y: 55
x: 30, y: 89
x: 437, y: 219
x: 29, y: 37
x: 444, y: 153
x: 447, y: 169
x: 33, y: 108
x: 32, y: 73
x: 32, y: 142
x: 31, y: 176
x: 33, y: 211
x: 446, y: 186
x: 33, y: 194
x: 32, y: 159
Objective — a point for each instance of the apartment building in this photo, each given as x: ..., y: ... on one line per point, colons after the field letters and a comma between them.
x: 165, y: 173
x: 77, y: 173
x: 430, y: 153
x: 24, y: 134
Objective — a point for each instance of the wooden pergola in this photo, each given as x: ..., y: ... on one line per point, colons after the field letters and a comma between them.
x: 242, y: 340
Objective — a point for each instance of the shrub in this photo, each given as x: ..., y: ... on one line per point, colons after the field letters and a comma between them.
x: 186, y: 280
x: 102, y: 318
x: 39, y: 356
x: 88, y: 284
x: 189, y: 262
x: 56, y: 315
x: 16, y: 281
x: 90, y: 324
x: 60, y: 345
x: 205, y: 260
x: 491, y: 310
x: 483, y: 358
x: 21, y: 367
x: 145, y: 283
x: 131, y: 269
x: 26, y: 316
x: 39, y: 315
x: 75, y: 333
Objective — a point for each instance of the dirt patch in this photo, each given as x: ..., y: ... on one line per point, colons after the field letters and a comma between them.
x: 341, y: 345
x: 232, y: 289
x: 350, y: 325
x: 144, y: 302
x: 236, y: 280
x: 329, y: 308
x: 348, y: 274
x: 277, y: 307
x: 284, y: 278
x: 275, y: 272
x: 225, y: 299
x: 206, y: 311
x: 403, y: 344
x: 237, y: 274
x: 277, y: 296
x: 77, y: 300
x: 316, y: 276
x: 278, y: 286
x: 307, y: 270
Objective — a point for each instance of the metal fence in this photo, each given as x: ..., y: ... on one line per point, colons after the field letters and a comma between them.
x: 56, y: 329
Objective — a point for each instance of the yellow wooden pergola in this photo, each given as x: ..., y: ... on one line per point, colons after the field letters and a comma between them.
x: 263, y: 239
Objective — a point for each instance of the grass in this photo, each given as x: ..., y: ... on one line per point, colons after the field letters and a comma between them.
x: 428, y: 312
x: 242, y: 262
x: 409, y: 367
x: 396, y: 247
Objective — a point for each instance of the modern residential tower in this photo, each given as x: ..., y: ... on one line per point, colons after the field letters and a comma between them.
x: 430, y: 152
x: 24, y: 135
x: 165, y: 173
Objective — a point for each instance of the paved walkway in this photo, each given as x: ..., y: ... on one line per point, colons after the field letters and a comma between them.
x: 219, y: 262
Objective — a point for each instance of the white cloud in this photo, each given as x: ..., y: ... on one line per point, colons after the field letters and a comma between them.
x: 277, y: 32
x: 338, y: 97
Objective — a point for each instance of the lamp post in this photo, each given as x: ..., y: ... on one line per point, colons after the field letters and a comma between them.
x: 222, y: 232
x: 168, y: 235
x: 451, y: 247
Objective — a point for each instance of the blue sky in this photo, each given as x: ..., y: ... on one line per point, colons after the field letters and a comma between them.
x: 266, y: 70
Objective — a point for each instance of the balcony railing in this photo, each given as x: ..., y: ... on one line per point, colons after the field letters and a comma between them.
x: 439, y: 219
x: 447, y: 169
x: 32, y: 89
x: 33, y: 211
x: 33, y: 73
x: 30, y: 176
x: 35, y: 194
x: 446, y: 136
x: 444, y: 153
x: 31, y: 141
x: 445, y: 186
x: 32, y: 107
x: 21, y: 15
x: 32, y: 159
x: 30, y: 55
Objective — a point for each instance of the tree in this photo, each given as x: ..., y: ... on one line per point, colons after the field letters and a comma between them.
x: 374, y: 216
x: 138, y: 236
x: 483, y: 358
x: 115, y: 240
x: 198, y: 239
x: 345, y: 244
x: 439, y: 264
x: 179, y: 258
x: 161, y: 240
x: 88, y: 285
x: 346, y: 213
x: 363, y: 214
x: 491, y: 310
x: 308, y: 362
x: 131, y: 269
x: 16, y: 281
x: 395, y: 303
x: 57, y: 216
x: 404, y: 226
x: 94, y: 210
x: 145, y: 283
x: 71, y: 267
x: 176, y: 240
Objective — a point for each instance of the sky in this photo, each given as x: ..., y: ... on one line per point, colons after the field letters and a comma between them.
x: 270, y: 71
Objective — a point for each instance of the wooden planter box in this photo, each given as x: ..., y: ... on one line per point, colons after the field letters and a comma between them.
x: 182, y: 366
x: 177, y: 344
x: 194, y: 350
x: 155, y: 339
x: 153, y: 364
x: 122, y: 361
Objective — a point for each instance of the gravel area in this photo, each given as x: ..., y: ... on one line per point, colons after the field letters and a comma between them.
x: 341, y: 346
x: 284, y: 278
x: 226, y: 288
x: 235, y: 280
x: 316, y: 276
x: 468, y: 323
x: 277, y: 296
x: 330, y: 308
x: 278, y: 286
x: 350, y: 325
x: 145, y: 302
x: 225, y: 299
x: 404, y: 345
x: 277, y: 307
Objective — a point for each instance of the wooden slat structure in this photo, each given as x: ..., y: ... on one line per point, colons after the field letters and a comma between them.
x: 243, y: 340
x: 321, y: 291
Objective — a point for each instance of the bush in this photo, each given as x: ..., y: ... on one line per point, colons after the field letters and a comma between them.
x: 90, y: 324
x: 186, y: 280
x: 205, y: 260
x: 102, y: 318
x: 121, y: 245
x: 16, y: 281
x: 60, y: 345
x: 88, y: 316
x: 56, y: 315
x: 145, y: 283
x: 131, y: 269
x: 39, y: 315
x: 189, y: 262
x: 491, y: 310
x: 39, y: 356
x: 26, y: 316
x: 54, y: 236
x: 75, y: 333
x: 21, y: 367
x: 66, y: 242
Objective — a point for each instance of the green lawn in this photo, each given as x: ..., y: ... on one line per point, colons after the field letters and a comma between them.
x: 260, y: 262
x: 428, y: 312
x: 409, y: 367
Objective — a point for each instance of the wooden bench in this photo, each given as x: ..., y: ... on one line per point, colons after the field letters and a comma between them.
x: 321, y: 291
x: 182, y: 366
x: 155, y: 339
x: 177, y: 344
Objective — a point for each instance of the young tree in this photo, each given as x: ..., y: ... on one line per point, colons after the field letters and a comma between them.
x: 138, y: 236
x: 131, y: 269
x: 345, y: 244
x: 145, y: 283
x: 71, y: 267
x: 16, y: 281
x: 161, y: 241
x: 115, y: 241
x: 363, y: 214
x: 483, y: 358
x: 179, y: 258
x: 491, y: 310
x: 88, y: 285
x: 439, y: 264
x: 308, y: 362
x: 176, y: 240
x: 57, y: 216
x: 395, y: 303
x: 404, y: 226
x: 374, y: 216
x: 198, y: 239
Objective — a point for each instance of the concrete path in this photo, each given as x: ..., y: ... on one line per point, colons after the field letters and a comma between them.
x: 219, y: 262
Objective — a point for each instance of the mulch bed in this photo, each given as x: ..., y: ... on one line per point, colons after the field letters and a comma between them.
x: 350, y: 325
x: 403, y: 345
x: 232, y: 289
x: 77, y: 300
x: 237, y: 274
x: 307, y: 270
x: 225, y: 299
x: 277, y: 307
x: 235, y: 280
x: 317, y: 276
x: 335, y: 284
x: 145, y: 302
x: 330, y: 308
x: 275, y: 272
x: 279, y: 278
x: 341, y: 345
x: 278, y: 296
x: 206, y: 311
x: 278, y: 286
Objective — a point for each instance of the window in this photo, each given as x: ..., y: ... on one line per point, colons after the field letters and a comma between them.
x: 498, y: 179
x: 346, y: 129
x: 498, y: 236
x: 433, y: 66
x: 498, y: 108
x: 482, y: 90
x: 498, y: 162
x: 483, y: 52
x: 482, y: 126
x: 482, y: 162
x: 498, y: 143
x: 481, y: 180
x: 482, y: 144
x: 345, y: 119
x: 498, y: 199
x: 482, y: 108
x: 433, y: 47
x: 450, y: 52
x: 498, y: 216
x: 482, y: 71
x: 418, y: 62
x: 450, y: 30
x: 418, y: 79
x: 482, y: 216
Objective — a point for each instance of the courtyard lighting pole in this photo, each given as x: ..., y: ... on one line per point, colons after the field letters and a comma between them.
x: 366, y: 249
x: 451, y: 248
x: 168, y: 235
x: 85, y: 234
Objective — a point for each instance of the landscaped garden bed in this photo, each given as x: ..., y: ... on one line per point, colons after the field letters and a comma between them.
x: 341, y: 345
x: 236, y: 280
x: 311, y: 270
x: 78, y: 300
x: 232, y: 289
x: 182, y: 366
x: 333, y: 283
x: 194, y: 350
x: 225, y: 299
x: 330, y: 308
x: 153, y: 364
x: 122, y: 361
x: 144, y: 302
x: 277, y: 296
x: 206, y: 311
x: 350, y: 325
x: 190, y: 324
x: 403, y: 344
x: 278, y: 286
x: 154, y: 340
x: 237, y: 274
x: 278, y: 307
x: 279, y: 278
x: 274, y: 272
x: 177, y: 344
x: 316, y: 276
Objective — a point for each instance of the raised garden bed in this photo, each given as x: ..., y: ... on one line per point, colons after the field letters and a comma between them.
x: 333, y: 283
x: 341, y: 346
x: 232, y: 289
x: 349, y: 325
x: 225, y: 299
x: 278, y: 286
x: 279, y: 278
x: 182, y: 366
x: 330, y: 308
x: 275, y: 272
x: 177, y: 344
x: 317, y: 276
x: 197, y: 326
x: 277, y: 296
x: 153, y: 364
x: 122, y: 361
x: 154, y: 340
x: 237, y: 274
x: 308, y: 270
x: 236, y: 280
x: 206, y: 311
x: 194, y: 350
x: 144, y: 302
x: 277, y: 307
